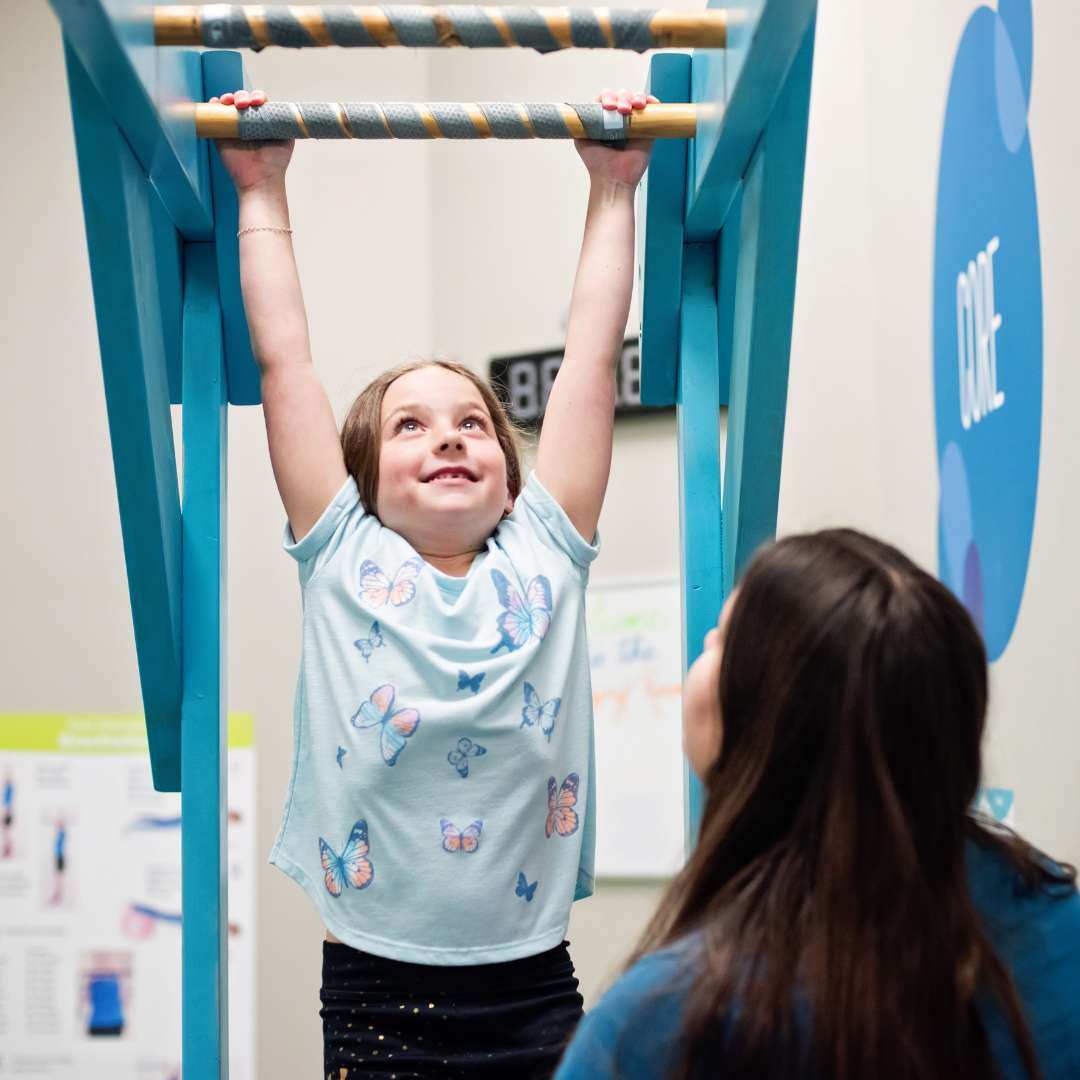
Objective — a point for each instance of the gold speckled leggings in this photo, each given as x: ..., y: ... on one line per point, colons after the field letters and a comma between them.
x: 397, y: 1021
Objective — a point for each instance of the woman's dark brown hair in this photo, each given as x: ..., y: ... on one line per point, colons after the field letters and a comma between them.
x: 361, y: 434
x: 838, y: 937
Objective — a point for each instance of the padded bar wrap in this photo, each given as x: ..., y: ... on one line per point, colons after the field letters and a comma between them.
x: 403, y: 120
x: 592, y: 119
x: 227, y: 26
x: 413, y: 26
x: 453, y: 120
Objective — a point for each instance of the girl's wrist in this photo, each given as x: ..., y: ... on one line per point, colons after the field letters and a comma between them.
x: 270, y: 190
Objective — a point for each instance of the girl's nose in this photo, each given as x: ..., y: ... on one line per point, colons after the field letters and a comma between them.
x: 454, y: 441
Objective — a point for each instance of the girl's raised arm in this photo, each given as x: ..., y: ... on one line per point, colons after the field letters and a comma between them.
x: 574, y: 456
x: 305, y: 450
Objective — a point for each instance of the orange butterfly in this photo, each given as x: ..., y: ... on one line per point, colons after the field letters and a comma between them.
x: 561, y: 816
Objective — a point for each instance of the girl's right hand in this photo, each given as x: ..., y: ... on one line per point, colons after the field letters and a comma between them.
x: 252, y: 164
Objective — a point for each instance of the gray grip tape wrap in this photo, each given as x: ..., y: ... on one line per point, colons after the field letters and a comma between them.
x: 226, y: 28
x: 274, y: 120
x: 585, y: 30
x: 504, y: 120
x: 404, y: 120
x: 592, y: 120
x: 547, y: 121
x: 283, y: 28
x: 365, y: 121
x: 413, y: 26
x: 474, y: 27
x: 346, y: 28
x: 453, y: 120
x: 321, y: 119
x: 529, y: 28
x: 633, y: 30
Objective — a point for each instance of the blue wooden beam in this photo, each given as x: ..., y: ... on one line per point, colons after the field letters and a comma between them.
x: 143, y: 86
x: 722, y: 151
x: 222, y: 72
x: 119, y: 209
x: 203, y: 834
x: 770, y: 210
x: 698, y: 422
x: 660, y: 241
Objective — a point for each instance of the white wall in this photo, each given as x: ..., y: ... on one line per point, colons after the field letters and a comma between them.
x: 469, y: 250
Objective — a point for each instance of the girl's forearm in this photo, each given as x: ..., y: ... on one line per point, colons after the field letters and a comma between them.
x: 273, y: 300
x: 604, y: 281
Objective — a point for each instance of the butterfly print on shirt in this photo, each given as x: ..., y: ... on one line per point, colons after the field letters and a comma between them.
x: 465, y: 840
x: 525, y: 617
x: 377, y: 589
x: 524, y: 889
x: 465, y: 681
x: 374, y: 640
x: 395, y: 725
x: 562, y: 818
x: 539, y: 712
x: 351, y: 869
x: 459, y: 757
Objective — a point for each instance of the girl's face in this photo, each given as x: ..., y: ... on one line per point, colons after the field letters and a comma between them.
x: 442, y: 472
x: 702, y: 722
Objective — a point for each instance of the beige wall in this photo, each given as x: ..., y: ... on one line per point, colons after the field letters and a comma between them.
x: 469, y: 250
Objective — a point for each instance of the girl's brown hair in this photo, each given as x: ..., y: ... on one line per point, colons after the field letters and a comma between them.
x: 361, y: 434
x: 828, y: 890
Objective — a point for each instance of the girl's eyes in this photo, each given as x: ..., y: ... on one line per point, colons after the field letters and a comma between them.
x: 411, y: 424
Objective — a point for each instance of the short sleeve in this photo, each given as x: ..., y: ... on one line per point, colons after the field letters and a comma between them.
x: 548, y: 519
x: 336, y: 523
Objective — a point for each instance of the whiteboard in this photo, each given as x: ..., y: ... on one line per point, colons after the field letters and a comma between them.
x: 635, y: 650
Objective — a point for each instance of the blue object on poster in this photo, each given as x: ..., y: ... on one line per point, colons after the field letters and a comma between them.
x: 106, y: 1010
x: 988, y: 329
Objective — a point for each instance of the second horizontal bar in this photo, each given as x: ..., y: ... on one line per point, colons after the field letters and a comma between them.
x: 442, y: 120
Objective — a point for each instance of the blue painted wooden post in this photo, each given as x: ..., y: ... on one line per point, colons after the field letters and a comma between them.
x: 718, y: 295
x: 125, y: 226
x: 222, y: 72
x: 701, y: 525
x: 771, y: 210
x: 203, y: 795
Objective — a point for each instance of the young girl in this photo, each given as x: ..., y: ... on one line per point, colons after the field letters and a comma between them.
x: 440, y: 809
x: 844, y: 914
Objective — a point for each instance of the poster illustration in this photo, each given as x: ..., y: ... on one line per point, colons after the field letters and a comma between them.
x: 90, y: 912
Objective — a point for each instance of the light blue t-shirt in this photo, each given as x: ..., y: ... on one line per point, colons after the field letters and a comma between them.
x: 633, y: 1032
x: 440, y: 809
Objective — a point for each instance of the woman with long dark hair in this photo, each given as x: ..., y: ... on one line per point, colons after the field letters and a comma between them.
x: 845, y: 914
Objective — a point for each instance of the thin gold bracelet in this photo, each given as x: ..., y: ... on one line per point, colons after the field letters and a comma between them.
x: 264, y: 228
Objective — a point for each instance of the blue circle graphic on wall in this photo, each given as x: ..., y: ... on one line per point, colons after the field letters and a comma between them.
x: 988, y: 324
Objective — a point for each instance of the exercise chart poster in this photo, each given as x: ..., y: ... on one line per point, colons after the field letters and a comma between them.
x: 90, y: 913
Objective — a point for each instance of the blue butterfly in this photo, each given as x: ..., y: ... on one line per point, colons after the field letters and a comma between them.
x: 396, y: 725
x: 524, y: 889
x: 465, y: 681
x: 374, y: 640
x: 525, y: 617
x: 351, y: 869
x: 466, y: 749
x: 539, y: 712
x: 341, y: 752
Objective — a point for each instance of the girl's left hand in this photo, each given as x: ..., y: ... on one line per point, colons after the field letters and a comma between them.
x: 626, y: 163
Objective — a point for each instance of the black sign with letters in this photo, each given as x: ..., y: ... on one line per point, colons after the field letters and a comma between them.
x: 524, y: 381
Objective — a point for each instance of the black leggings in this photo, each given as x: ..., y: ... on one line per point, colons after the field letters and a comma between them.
x: 385, y: 1018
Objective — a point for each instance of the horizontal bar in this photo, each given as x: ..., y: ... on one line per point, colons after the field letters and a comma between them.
x: 442, y: 120
x: 232, y: 26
